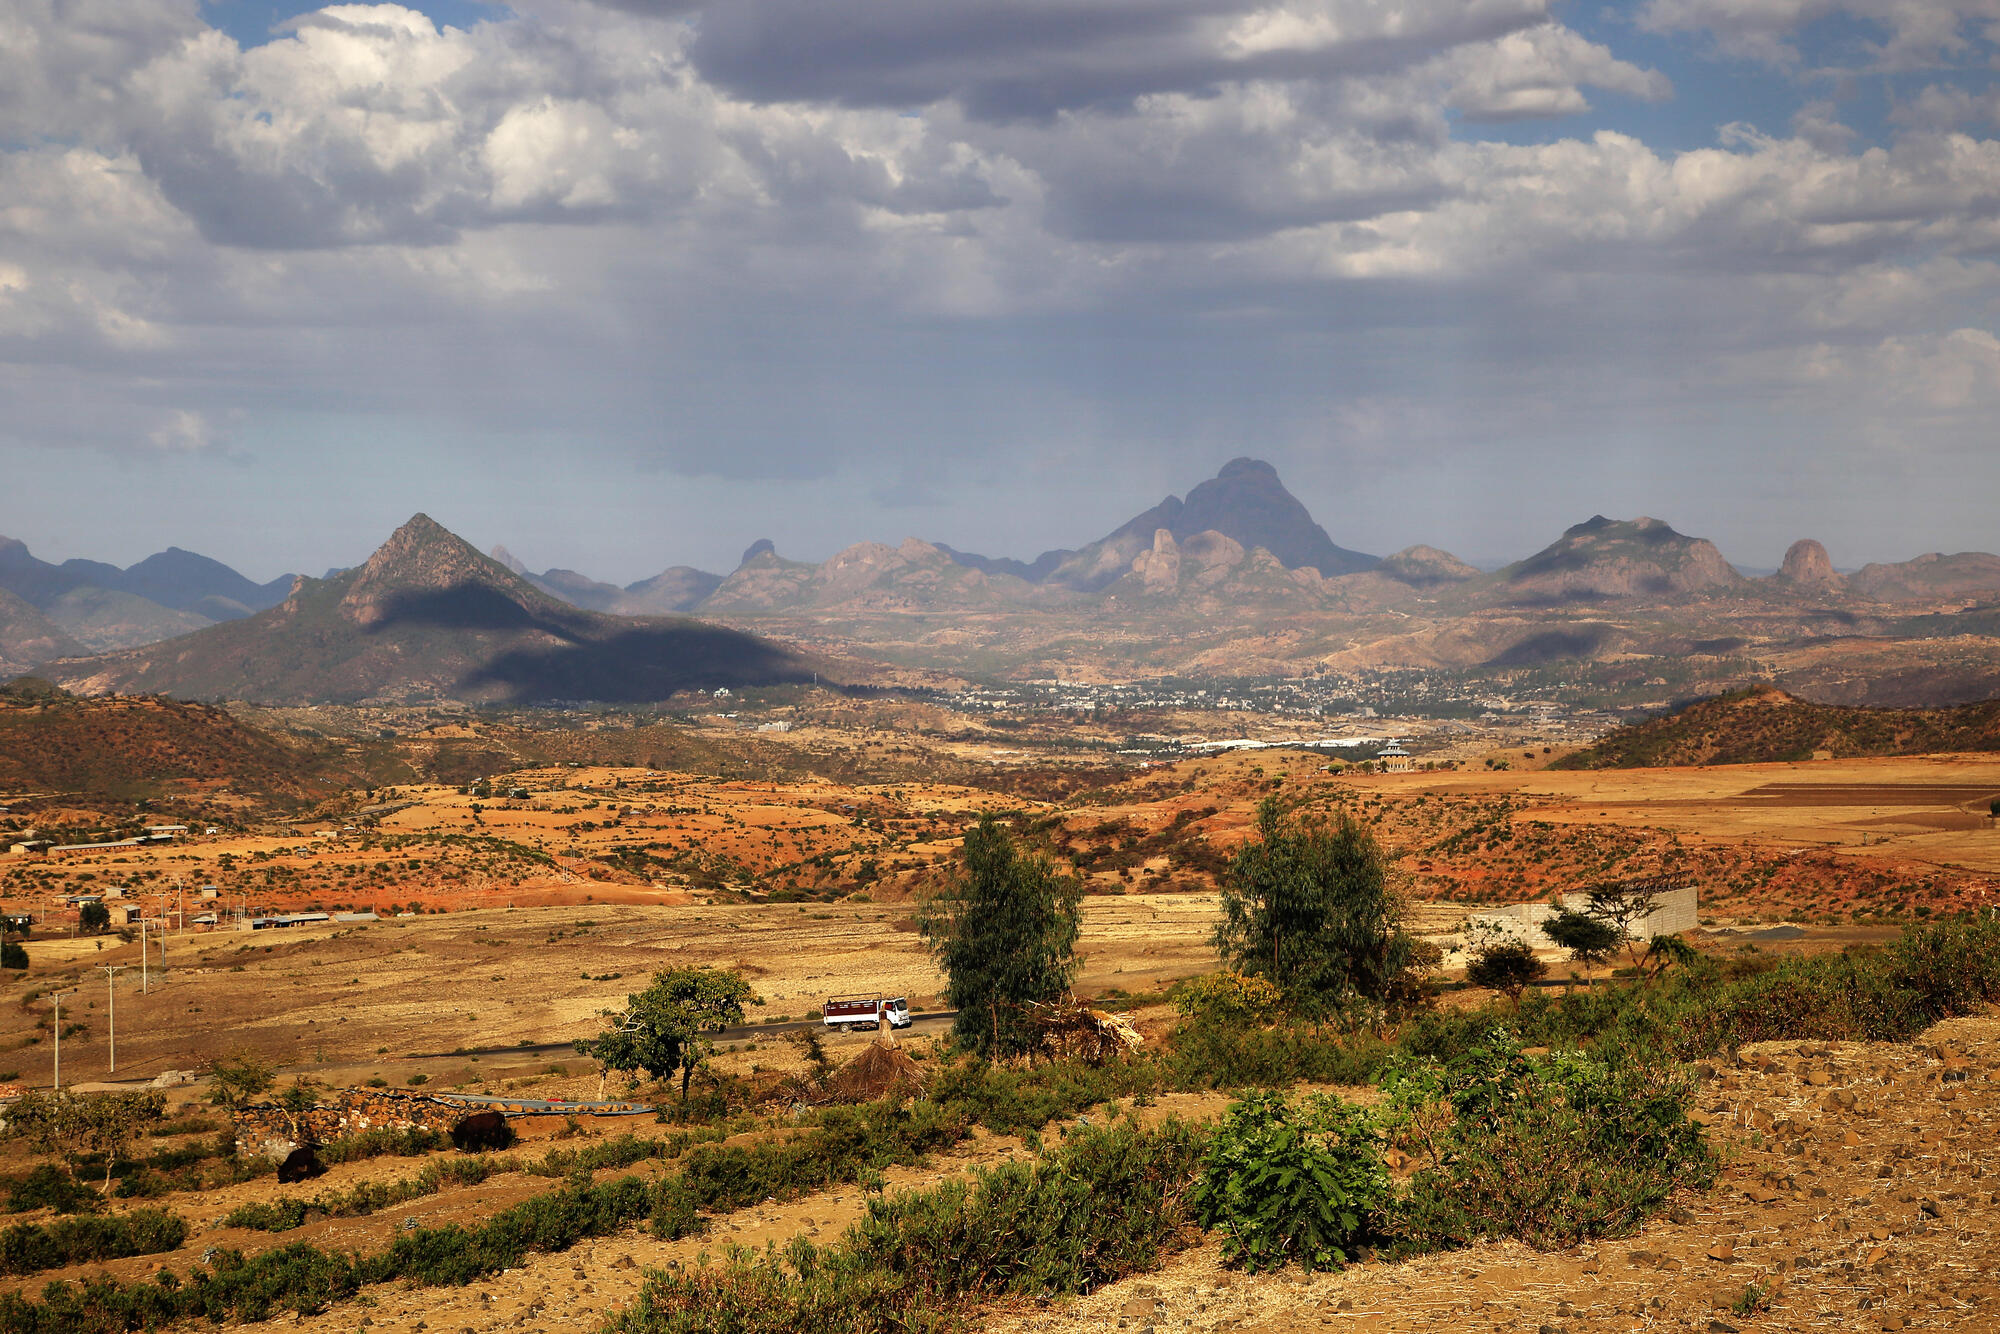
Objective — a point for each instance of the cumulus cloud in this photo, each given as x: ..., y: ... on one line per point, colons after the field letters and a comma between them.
x: 1542, y: 71
x: 777, y: 237
x: 1917, y: 33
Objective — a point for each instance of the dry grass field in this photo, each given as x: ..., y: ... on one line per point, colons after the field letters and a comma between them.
x: 509, y: 924
x: 388, y: 999
x: 531, y: 915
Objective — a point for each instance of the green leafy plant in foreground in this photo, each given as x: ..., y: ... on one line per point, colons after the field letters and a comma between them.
x: 1108, y: 1202
x: 1292, y: 1182
x: 1551, y: 1149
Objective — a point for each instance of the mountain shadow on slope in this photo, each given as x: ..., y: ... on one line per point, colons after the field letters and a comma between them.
x: 647, y: 662
x: 1552, y: 646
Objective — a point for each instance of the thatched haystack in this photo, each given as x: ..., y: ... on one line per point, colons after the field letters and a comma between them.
x: 877, y: 1072
x: 1070, y: 1028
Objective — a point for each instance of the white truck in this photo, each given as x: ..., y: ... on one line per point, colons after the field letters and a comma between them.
x: 865, y: 1012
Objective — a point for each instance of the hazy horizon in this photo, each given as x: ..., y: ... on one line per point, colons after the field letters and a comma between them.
x: 629, y: 285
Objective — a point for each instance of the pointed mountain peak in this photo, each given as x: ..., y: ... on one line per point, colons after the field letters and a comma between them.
x: 1247, y: 501
x: 763, y: 546
x: 424, y: 555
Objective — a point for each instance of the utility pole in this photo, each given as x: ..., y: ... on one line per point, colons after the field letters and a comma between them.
x: 57, y: 997
x: 111, y: 971
x: 143, y: 983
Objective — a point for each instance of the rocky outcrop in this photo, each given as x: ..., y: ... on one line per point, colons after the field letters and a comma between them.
x: 1809, y: 569
x: 1159, y: 567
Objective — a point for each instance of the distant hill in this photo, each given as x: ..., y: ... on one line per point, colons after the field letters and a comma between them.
x: 1928, y: 578
x: 427, y: 617
x: 1426, y: 567
x: 176, y: 579
x: 1765, y: 725
x: 101, y: 607
x: 101, y: 620
x: 1245, y: 502
x: 1613, y: 558
x: 29, y: 638
x: 190, y: 581
x: 678, y: 589
x: 129, y: 747
x: 1808, y: 569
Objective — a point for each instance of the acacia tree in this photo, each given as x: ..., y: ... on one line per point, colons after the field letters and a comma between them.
x: 664, y: 1028
x: 1004, y: 932
x: 240, y: 1078
x: 1589, y: 940
x: 1308, y: 905
x: 1623, y: 908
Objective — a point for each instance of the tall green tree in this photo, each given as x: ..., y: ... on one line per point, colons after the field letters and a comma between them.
x: 1004, y: 931
x: 666, y: 1027
x: 1308, y: 905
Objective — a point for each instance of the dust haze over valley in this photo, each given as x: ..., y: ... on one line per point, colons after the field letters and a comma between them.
x: 1013, y: 666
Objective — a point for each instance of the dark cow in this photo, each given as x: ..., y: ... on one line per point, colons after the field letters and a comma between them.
x: 482, y: 1131
x: 301, y: 1164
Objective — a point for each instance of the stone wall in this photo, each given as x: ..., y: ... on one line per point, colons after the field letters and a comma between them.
x: 265, y: 1130
x: 1675, y: 912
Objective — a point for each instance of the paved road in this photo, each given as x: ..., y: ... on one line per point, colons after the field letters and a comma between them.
x: 921, y: 1022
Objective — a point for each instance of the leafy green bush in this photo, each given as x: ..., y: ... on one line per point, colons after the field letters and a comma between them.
x: 1292, y: 1183
x: 1549, y: 1149
x: 272, y: 1216
x: 383, y: 1142
x: 1220, y: 1054
x: 49, y: 1187
x: 1110, y: 1201
x: 27, y: 1248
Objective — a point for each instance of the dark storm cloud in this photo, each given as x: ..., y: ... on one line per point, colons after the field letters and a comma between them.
x: 1001, y: 59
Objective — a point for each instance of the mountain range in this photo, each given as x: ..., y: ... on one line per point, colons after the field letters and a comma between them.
x: 1234, y: 579
x: 428, y: 617
x: 94, y: 606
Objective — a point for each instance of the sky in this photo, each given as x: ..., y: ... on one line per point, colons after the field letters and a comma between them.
x: 624, y: 284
